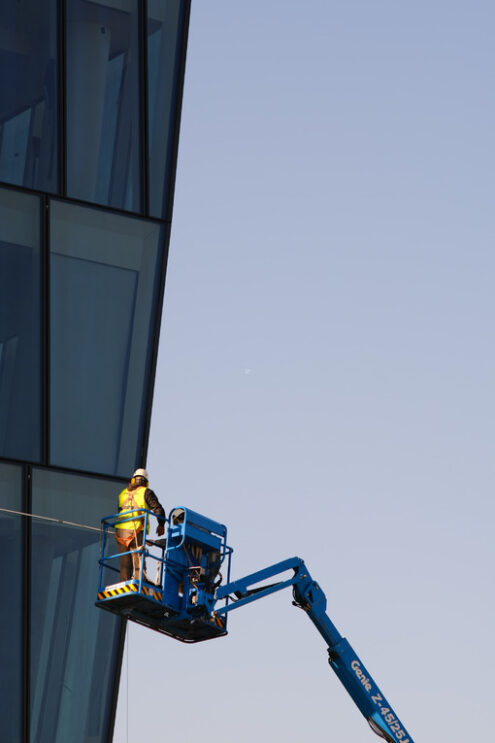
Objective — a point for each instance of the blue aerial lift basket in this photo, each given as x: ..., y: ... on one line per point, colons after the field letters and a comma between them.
x: 188, y: 564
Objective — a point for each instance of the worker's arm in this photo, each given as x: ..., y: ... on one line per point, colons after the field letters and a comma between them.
x: 154, y: 505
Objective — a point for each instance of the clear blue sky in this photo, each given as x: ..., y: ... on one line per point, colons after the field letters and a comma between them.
x: 326, y: 375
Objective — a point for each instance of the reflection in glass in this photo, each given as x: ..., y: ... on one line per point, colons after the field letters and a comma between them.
x: 28, y: 104
x: 73, y: 644
x: 104, y: 279
x: 103, y: 104
x: 11, y: 609
x: 165, y: 21
x: 20, y: 370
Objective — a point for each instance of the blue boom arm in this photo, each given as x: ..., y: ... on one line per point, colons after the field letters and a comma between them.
x: 344, y: 661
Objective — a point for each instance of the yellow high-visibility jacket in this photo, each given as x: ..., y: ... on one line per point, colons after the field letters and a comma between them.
x: 132, y: 499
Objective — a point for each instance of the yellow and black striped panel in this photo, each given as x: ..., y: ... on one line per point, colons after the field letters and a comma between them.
x: 219, y: 621
x: 152, y: 593
x: 117, y: 591
x: 130, y: 588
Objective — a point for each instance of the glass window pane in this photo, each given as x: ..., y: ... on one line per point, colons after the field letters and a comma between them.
x: 165, y: 25
x: 104, y: 280
x: 20, y: 372
x: 28, y: 104
x: 103, y: 103
x: 73, y: 644
x: 11, y: 605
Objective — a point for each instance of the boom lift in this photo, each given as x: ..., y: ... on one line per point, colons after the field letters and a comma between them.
x: 189, y: 601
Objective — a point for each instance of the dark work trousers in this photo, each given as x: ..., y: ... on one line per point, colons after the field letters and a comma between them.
x: 130, y: 563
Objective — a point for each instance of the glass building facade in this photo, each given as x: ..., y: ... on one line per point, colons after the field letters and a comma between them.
x: 89, y: 121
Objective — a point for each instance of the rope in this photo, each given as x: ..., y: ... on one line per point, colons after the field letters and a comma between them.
x: 127, y: 689
x: 53, y: 520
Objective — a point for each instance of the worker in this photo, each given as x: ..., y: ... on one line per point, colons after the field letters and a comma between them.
x: 130, y: 533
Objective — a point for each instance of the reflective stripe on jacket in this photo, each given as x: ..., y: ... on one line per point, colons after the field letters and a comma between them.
x: 132, y: 500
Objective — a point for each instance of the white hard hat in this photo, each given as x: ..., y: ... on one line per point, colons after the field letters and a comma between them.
x: 141, y: 473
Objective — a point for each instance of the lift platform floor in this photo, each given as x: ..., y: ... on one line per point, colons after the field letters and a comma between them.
x: 146, y: 608
x: 127, y: 595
